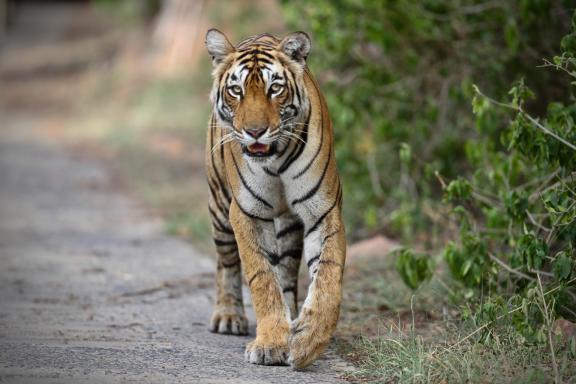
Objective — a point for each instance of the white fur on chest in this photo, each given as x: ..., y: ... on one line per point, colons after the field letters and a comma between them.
x: 270, y: 194
x: 264, y: 196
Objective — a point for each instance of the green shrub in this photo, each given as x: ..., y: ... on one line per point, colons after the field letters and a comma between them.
x: 398, y: 78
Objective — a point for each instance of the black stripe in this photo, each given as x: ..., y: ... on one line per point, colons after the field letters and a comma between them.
x: 216, y: 197
x: 269, y: 172
x: 247, y: 164
x: 329, y: 262
x: 264, y: 53
x: 224, y: 230
x: 221, y: 243
x: 290, y: 96
x: 296, y: 226
x: 293, y: 82
x: 292, y: 91
x: 315, y: 155
x: 246, y: 213
x: 293, y: 156
x: 340, y: 193
x: 231, y: 264
x: 229, y: 252
x: 254, y: 194
x: 325, y: 239
x: 289, y: 289
x: 221, y: 227
x: 312, y: 260
x: 246, y: 61
x: 222, y: 150
x: 292, y: 253
x: 262, y: 60
x: 253, y: 52
x: 313, y: 191
x: 321, y: 218
x: 244, y: 54
x: 272, y: 257
x: 298, y: 94
x: 222, y: 115
x: 218, y: 178
x: 290, y: 157
x: 255, y: 276
x: 283, y: 151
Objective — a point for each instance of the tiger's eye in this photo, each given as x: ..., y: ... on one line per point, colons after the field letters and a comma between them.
x: 236, y: 90
x: 276, y: 87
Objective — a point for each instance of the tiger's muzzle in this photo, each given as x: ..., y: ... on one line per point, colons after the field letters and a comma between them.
x: 257, y: 142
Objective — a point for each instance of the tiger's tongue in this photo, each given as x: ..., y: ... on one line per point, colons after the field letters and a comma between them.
x: 258, y: 148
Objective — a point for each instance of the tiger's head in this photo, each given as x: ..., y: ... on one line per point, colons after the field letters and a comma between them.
x: 259, y: 93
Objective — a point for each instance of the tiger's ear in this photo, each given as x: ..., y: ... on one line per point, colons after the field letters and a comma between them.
x: 297, y: 46
x: 218, y: 45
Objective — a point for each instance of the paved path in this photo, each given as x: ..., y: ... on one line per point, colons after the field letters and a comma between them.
x: 92, y: 290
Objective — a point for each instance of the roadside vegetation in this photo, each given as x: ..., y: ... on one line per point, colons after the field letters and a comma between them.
x: 455, y: 127
x: 456, y: 135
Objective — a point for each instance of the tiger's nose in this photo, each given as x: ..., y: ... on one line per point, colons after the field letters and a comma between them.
x: 256, y: 132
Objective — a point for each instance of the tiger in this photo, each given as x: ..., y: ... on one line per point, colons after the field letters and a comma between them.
x: 274, y: 196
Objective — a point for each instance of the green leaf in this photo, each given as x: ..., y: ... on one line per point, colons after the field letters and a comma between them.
x: 466, y: 267
x: 520, y: 93
x: 405, y: 153
x: 562, y: 266
x: 414, y: 268
x: 459, y: 189
x: 480, y: 104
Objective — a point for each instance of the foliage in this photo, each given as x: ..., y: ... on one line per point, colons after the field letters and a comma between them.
x: 398, y: 357
x: 398, y: 78
x: 516, y: 215
x: 518, y: 220
x: 131, y: 11
x: 414, y: 268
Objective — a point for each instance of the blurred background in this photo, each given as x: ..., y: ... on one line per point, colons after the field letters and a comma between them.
x: 134, y: 77
x: 127, y: 82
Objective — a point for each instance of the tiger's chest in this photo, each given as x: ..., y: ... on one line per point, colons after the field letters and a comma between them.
x: 260, y: 192
x: 263, y: 192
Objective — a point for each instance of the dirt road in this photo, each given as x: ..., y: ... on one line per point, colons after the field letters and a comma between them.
x: 91, y: 289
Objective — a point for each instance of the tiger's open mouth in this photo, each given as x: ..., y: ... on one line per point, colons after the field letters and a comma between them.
x: 260, y: 150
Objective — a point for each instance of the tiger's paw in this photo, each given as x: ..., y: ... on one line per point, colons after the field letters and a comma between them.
x: 229, y: 321
x: 308, y: 339
x: 266, y: 354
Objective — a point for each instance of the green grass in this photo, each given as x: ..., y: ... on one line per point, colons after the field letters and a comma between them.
x: 393, y: 335
x: 401, y: 357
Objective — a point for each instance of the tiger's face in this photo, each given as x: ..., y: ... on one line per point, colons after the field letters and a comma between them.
x: 258, y: 91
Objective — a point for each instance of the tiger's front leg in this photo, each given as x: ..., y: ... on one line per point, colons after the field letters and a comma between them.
x: 325, y: 254
x: 256, y: 239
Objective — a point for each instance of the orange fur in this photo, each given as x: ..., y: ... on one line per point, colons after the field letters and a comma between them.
x: 275, y: 196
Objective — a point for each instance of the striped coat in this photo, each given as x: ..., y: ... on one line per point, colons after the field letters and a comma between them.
x: 275, y: 197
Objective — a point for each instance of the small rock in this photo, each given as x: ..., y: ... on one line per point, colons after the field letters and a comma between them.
x: 375, y: 246
x: 565, y: 328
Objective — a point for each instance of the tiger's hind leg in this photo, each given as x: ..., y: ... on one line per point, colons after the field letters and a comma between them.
x: 228, y: 316
x: 289, y: 233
